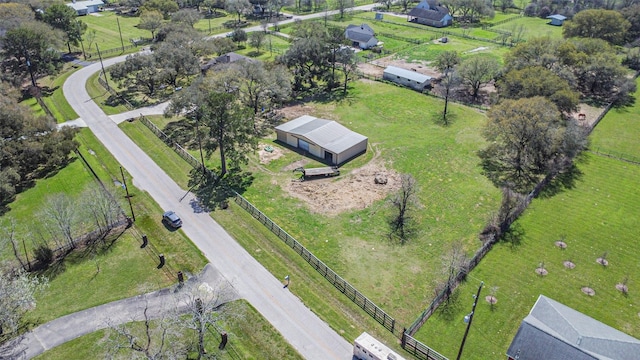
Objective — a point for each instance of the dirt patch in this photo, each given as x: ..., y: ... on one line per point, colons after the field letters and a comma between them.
x: 561, y: 244
x: 267, y: 156
x: 569, y: 265
x: 587, y: 114
x: 376, y: 67
x: 353, y: 191
x: 589, y: 291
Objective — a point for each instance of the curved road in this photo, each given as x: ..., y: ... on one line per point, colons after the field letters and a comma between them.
x: 303, y: 329
x: 307, y: 333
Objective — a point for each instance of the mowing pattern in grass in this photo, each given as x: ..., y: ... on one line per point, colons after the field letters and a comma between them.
x: 598, y: 216
x: 107, y: 35
x: 619, y: 131
x: 455, y: 198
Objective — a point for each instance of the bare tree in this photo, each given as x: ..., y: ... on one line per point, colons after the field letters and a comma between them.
x: 205, y: 308
x: 455, y: 264
x: 102, y: 206
x: 403, y: 201
x: 7, y: 234
x: 60, y: 213
x: 158, y: 339
x: 343, y: 6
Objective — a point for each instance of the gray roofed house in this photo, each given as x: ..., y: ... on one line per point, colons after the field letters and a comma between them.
x: 86, y: 7
x: 431, y: 13
x: 324, y: 139
x: 361, y: 36
x: 409, y: 78
x: 227, y: 58
x: 553, y: 331
x: 557, y: 19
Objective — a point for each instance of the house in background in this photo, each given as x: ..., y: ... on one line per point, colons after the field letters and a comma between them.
x: 324, y: 139
x: 408, y: 78
x: 86, y: 7
x: 221, y: 60
x: 429, y: 12
x: 557, y: 19
x: 361, y: 36
x: 553, y: 331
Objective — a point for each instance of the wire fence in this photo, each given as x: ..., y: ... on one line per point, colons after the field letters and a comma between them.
x: 388, y: 322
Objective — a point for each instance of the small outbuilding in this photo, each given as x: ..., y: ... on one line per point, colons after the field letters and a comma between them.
x: 408, y: 78
x: 553, y: 331
x: 556, y: 19
x: 86, y: 7
x: 324, y: 139
x: 228, y: 58
x: 361, y: 36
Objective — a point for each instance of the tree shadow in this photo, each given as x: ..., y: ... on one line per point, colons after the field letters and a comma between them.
x: 214, y: 192
x: 566, y: 180
x: 513, y: 236
x: 449, y: 308
x: 439, y: 119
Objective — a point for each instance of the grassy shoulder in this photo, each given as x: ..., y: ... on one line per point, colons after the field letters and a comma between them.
x: 247, y: 334
x: 90, y: 278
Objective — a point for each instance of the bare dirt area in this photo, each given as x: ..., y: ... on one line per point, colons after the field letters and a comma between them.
x: 353, y: 191
x: 267, y: 156
x: 587, y: 114
x: 376, y: 67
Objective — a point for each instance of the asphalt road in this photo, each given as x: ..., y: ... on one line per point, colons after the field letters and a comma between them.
x: 309, y: 335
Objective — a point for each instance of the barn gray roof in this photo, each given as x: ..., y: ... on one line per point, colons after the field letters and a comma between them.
x: 327, y: 134
x: 429, y: 14
x: 360, y: 33
x: 407, y: 74
x: 555, y: 331
x: 82, y: 5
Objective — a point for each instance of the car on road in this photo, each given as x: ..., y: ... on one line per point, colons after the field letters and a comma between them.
x: 172, y: 219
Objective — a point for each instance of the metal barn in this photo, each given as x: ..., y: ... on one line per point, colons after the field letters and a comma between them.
x: 324, y: 139
x: 408, y: 78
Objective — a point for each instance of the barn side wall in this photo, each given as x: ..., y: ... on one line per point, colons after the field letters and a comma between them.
x: 352, y: 152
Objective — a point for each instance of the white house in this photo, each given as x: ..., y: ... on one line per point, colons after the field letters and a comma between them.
x: 86, y: 7
x: 408, y: 78
x: 324, y: 139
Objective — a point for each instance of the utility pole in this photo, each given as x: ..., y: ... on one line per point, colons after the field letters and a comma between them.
x: 468, y: 319
x: 120, y: 31
x: 124, y: 183
x: 102, y: 64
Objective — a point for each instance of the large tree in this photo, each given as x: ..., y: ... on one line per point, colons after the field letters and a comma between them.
x: 14, y: 14
x: 632, y: 15
x: 608, y: 25
x: 165, y: 7
x: 17, y: 296
x: 347, y: 61
x: 538, y: 81
x: 308, y: 57
x: 402, y: 224
x: 343, y: 5
x: 238, y: 7
x: 186, y: 16
x: 62, y: 17
x: 225, y: 124
x: 151, y: 20
x: 527, y: 140
x: 30, y: 51
x: 138, y: 71
x: 478, y: 70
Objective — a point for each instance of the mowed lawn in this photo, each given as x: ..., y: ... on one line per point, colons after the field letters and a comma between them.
x: 455, y: 199
x: 598, y: 216
x: 618, y: 133
x: 105, y: 24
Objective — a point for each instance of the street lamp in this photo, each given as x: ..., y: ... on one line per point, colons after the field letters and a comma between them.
x: 468, y: 319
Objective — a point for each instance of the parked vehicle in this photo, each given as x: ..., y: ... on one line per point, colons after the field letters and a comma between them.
x: 172, y: 219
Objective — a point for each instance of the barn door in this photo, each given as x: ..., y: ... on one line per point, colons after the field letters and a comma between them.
x: 303, y: 145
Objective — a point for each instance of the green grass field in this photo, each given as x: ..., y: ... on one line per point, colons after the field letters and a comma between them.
x: 55, y: 100
x: 107, y: 34
x: 609, y: 138
x: 455, y: 199
x: 533, y: 27
x: 598, y: 216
